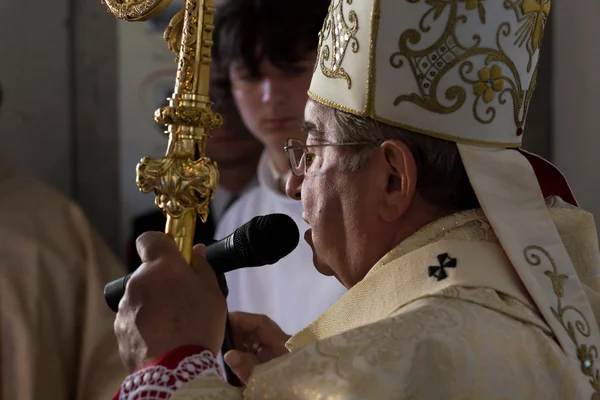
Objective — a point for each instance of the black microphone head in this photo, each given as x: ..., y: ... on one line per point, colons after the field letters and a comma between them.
x: 266, y: 239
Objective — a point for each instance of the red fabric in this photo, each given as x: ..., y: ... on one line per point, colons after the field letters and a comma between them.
x: 174, y: 357
x: 552, y: 181
x: 170, y: 360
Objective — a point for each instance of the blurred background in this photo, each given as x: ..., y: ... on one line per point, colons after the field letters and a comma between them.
x: 81, y: 87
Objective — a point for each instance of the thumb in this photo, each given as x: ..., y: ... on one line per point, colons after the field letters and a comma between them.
x: 241, y: 363
x: 199, y: 251
x: 198, y: 257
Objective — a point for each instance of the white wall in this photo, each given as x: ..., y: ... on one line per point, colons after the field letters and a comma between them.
x: 576, y: 98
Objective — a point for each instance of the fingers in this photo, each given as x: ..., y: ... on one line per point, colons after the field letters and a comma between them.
x: 247, y: 321
x: 153, y: 245
x: 248, y: 329
x: 245, y: 328
x: 241, y: 363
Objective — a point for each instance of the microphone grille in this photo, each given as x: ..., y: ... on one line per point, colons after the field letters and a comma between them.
x: 269, y: 238
x: 241, y: 242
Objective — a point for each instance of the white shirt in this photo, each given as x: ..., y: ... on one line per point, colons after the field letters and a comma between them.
x: 291, y: 292
x: 223, y: 198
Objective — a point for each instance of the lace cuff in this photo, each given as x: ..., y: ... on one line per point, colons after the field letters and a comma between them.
x: 161, y: 380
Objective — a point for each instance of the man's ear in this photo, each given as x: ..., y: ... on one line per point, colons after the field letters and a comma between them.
x: 401, y: 170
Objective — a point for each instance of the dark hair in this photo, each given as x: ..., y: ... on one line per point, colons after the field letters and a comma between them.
x: 281, y: 31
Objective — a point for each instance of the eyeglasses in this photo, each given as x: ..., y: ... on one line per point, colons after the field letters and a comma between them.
x: 300, y: 158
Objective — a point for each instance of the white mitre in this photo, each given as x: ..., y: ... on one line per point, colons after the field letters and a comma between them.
x: 465, y: 71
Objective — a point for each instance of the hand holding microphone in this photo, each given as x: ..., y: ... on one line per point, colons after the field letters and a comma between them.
x: 261, y: 241
x: 168, y: 304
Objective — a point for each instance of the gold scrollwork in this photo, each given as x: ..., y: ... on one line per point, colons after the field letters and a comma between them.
x: 342, y: 33
x: 587, y: 355
x: 476, y: 4
x: 185, y: 70
x: 184, y: 181
x: 533, y: 15
x: 179, y: 183
x: 173, y: 33
x: 432, y: 64
x: 188, y: 116
x: 135, y: 10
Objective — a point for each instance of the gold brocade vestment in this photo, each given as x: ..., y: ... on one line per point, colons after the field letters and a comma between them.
x: 403, y: 333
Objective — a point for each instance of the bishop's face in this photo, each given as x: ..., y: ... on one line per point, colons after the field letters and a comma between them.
x: 339, y: 205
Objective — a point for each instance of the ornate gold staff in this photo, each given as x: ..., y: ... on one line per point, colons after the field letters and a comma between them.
x: 184, y: 180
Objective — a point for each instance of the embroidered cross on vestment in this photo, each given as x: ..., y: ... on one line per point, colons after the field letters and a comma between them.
x: 445, y: 262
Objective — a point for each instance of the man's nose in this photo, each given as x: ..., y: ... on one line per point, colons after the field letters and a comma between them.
x: 293, y: 186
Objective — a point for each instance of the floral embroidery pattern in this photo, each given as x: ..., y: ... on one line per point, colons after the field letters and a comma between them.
x: 572, y: 319
x: 490, y: 81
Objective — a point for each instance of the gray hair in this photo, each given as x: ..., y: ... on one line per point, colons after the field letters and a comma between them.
x: 442, y: 180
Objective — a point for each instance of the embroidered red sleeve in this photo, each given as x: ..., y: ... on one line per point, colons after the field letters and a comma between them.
x: 159, y: 379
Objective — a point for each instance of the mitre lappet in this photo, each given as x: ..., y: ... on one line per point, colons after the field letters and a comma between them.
x: 465, y: 71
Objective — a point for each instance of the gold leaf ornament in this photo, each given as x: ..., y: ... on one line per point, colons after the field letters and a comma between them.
x: 337, y: 34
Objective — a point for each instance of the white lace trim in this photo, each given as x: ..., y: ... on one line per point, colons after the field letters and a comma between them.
x: 159, y: 382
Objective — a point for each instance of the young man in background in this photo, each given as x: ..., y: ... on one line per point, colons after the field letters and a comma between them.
x: 268, y: 48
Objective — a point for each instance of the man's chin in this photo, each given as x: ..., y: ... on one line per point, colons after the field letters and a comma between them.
x: 323, y: 269
x: 320, y: 266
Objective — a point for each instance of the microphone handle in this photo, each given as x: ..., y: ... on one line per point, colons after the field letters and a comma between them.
x: 232, y: 378
x: 115, y: 290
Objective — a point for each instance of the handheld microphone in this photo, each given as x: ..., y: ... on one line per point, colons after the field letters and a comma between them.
x: 263, y: 240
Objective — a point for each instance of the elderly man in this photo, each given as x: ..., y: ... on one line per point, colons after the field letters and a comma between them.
x: 472, y: 274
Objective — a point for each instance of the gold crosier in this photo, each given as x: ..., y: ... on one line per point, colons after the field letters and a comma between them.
x: 184, y: 180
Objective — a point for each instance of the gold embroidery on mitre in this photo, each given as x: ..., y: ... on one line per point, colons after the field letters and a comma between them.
x: 533, y: 15
x: 575, y: 326
x: 430, y: 65
x: 338, y: 34
x: 490, y: 81
x: 476, y: 4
